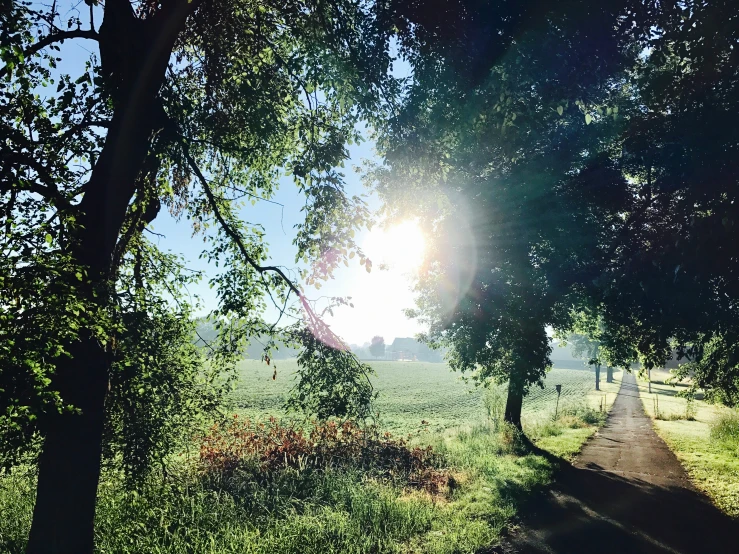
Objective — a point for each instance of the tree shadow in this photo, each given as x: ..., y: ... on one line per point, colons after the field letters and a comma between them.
x: 588, y: 510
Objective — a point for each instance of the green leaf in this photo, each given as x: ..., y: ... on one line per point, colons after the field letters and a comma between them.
x: 560, y: 110
x: 48, y: 238
x: 588, y: 119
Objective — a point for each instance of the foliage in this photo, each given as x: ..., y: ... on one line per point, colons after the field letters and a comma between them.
x: 297, y: 511
x: 670, y: 283
x: 377, y: 347
x: 267, y: 448
x: 331, y: 382
x: 725, y: 430
x: 715, y: 368
x: 160, y: 391
x: 494, y: 402
x: 494, y: 146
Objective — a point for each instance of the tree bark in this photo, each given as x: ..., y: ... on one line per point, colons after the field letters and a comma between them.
x: 69, y: 466
x: 514, y: 404
x: 135, y: 55
x: 609, y: 374
x: 597, y: 376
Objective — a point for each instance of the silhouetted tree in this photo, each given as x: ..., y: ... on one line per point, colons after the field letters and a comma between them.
x: 377, y: 347
x: 502, y: 147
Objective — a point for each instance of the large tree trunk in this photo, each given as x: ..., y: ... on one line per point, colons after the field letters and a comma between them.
x: 135, y: 54
x: 514, y: 404
x: 597, y: 376
x: 69, y: 466
x: 609, y: 374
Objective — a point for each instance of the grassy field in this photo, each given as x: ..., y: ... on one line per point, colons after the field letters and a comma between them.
x: 411, y: 392
x: 699, y: 438
x: 487, y: 473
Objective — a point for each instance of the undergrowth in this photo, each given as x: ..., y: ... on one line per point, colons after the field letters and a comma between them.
x: 268, y: 489
x: 266, y: 448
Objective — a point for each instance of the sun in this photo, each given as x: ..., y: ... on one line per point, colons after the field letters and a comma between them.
x: 400, y: 247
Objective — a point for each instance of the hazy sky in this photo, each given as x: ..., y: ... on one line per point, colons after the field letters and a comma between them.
x: 379, y: 297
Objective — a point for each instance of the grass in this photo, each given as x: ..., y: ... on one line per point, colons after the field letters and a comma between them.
x: 409, y: 392
x: 704, y: 437
x: 581, y: 410
x: 345, y: 510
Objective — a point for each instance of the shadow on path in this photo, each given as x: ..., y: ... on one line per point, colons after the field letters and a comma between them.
x: 626, y: 493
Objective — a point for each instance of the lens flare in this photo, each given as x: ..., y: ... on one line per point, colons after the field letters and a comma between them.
x: 401, y: 248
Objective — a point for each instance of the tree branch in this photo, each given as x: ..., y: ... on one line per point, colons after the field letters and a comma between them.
x: 319, y: 329
x: 228, y: 229
x: 51, y: 39
x: 48, y: 191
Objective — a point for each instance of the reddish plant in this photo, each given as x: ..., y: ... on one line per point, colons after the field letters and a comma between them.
x: 274, y: 447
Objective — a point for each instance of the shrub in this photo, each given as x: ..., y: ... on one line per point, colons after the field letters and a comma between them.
x: 494, y: 401
x: 586, y: 414
x: 512, y: 439
x: 268, y: 448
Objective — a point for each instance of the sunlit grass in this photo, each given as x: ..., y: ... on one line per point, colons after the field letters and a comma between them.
x: 346, y: 510
x: 705, y: 445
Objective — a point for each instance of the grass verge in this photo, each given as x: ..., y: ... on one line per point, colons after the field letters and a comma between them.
x: 704, y: 437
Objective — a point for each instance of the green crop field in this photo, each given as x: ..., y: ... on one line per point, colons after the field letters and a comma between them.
x: 409, y: 392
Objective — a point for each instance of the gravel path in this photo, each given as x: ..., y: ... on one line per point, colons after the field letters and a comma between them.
x: 626, y: 493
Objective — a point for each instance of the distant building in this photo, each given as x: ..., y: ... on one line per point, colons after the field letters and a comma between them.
x: 562, y: 357
x: 409, y: 349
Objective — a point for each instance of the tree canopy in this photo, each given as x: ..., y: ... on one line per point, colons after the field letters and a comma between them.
x: 508, y: 160
x: 577, y: 166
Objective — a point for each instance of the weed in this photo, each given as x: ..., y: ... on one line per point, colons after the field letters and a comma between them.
x: 494, y: 400
x: 262, y: 449
x: 725, y: 430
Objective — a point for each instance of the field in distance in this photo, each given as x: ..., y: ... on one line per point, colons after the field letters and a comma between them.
x: 410, y: 392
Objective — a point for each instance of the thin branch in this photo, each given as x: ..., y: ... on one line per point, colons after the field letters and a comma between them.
x: 51, y: 39
x: 228, y: 229
x: 48, y: 191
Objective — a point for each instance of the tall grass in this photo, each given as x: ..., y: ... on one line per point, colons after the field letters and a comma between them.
x: 725, y: 431
x: 305, y: 510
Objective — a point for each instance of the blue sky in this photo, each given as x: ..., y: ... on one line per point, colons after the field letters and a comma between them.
x: 378, y: 297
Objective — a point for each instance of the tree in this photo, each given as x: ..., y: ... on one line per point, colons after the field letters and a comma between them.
x: 671, y: 281
x: 190, y: 105
x: 584, y: 346
x: 377, y: 346
x: 504, y: 152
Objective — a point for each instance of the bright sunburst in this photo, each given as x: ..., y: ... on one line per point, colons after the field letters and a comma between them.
x: 400, y: 247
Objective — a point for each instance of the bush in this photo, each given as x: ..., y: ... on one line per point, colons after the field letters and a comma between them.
x: 267, y: 448
x: 494, y: 401
x: 585, y: 414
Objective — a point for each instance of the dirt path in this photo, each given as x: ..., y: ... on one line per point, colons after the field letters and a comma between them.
x: 626, y: 493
